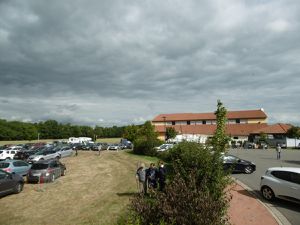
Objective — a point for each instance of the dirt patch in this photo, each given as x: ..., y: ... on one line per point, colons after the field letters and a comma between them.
x: 95, y: 190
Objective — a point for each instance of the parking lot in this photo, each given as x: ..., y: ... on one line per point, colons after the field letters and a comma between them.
x: 263, y: 160
x: 95, y: 190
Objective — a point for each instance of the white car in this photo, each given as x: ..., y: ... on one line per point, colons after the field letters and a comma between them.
x: 281, y: 182
x: 114, y: 147
x: 164, y: 147
x: 8, y: 153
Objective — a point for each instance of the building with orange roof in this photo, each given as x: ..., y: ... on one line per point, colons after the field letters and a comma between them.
x: 241, y: 126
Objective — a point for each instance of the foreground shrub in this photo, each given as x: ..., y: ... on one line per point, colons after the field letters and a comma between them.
x: 183, y: 202
x: 190, y: 157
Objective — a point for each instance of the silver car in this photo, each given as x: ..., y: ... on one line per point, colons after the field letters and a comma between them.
x: 281, y: 182
x: 46, y: 171
x: 44, y: 155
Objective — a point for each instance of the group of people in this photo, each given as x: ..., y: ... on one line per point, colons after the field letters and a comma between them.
x: 151, y: 178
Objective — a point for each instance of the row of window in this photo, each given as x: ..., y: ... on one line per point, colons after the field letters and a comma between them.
x: 237, y: 121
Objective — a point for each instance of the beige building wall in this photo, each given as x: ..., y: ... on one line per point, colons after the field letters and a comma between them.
x: 257, y: 120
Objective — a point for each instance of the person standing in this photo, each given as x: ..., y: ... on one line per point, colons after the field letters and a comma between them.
x: 162, y: 176
x: 151, y: 175
x: 278, y: 150
x: 99, y: 149
x: 141, y: 179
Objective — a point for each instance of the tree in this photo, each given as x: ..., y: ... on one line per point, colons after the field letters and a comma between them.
x: 220, y: 139
x: 170, y: 133
x: 294, y: 132
x: 146, y: 140
x: 262, y: 137
x: 131, y: 132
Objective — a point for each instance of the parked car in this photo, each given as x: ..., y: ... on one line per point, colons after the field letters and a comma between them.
x: 43, y: 155
x: 16, y: 148
x: 263, y: 145
x: 126, y: 144
x: 64, y: 151
x: 249, y: 145
x: 10, y: 183
x: 114, y: 147
x: 281, y: 182
x: 46, y: 171
x: 23, y: 155
x: 7, y: 154
x: 236, y: 164
x: 164, y: 147
x: 15, y: 166
x: 87, y: 147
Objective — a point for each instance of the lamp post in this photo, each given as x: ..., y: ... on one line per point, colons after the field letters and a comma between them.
x: 38, y: 137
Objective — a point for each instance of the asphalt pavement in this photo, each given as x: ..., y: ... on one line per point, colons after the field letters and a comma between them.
x: 265, y: 159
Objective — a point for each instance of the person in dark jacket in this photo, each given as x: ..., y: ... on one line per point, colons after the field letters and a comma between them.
x: 151, y: 175
x: 162, y: 176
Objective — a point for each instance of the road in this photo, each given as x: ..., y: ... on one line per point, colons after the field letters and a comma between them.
x: 263, y: 160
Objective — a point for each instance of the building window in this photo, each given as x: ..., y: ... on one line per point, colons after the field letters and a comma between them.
x: 235, y: 137
x: 203, y: 121
x: 173, y: 122
x: 188, y: 122
x: 237, y: 121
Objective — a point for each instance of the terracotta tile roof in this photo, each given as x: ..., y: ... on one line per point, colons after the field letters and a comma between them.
x: 231, y: 129
x: 246, y: 114
x: 278, y: 128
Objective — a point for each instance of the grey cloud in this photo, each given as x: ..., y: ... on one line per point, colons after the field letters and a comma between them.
x: 123, y: 61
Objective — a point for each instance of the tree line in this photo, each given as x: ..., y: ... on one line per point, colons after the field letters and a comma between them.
x: 51, y: 129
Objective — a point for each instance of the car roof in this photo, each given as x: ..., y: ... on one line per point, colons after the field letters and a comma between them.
x: 46, y: 161
x: 290, y: 169
x: 12, y: 160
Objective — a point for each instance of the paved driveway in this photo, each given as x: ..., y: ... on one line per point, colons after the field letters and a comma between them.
x: 263, y: 160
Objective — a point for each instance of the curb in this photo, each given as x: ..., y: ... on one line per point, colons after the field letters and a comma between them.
x: 278, y: 216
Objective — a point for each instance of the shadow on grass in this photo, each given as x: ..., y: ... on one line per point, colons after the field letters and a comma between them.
x: 126, y: 194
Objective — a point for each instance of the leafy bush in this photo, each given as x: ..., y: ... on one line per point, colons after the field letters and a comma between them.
x: 183, y: 202
x: 142, y: 146
x: 146, y: 140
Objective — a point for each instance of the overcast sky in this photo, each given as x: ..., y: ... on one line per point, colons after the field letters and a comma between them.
x: 110, y: 62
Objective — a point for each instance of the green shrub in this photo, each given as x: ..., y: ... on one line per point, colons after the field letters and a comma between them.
x: 183, y: 202
x: 143, y: 146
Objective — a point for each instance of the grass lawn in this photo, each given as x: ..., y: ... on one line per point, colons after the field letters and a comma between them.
x: 96, y: 190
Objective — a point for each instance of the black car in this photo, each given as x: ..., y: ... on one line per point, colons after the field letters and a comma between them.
x: 46, y: 171
x: 23, y: 155
x: 235, y: 164
x: 10, y: 183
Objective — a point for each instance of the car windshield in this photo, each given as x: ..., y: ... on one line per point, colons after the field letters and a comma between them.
x: 4, y: 165
x: 39, y: 153
x: 230, y: 158
x: 39, y: 166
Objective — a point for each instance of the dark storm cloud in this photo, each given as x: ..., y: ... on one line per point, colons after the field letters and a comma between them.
x: 125, y: 61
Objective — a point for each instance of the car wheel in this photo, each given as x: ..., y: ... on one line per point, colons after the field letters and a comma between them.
x: 248, y: 169
x: 18, y: 188
x: 52, y: 178
x: 57, y: 157
x: 267, y: 193
x: 41, y: 159
x: 8, y: 158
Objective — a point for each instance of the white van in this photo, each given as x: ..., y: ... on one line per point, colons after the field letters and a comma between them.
x: 8, y: 154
